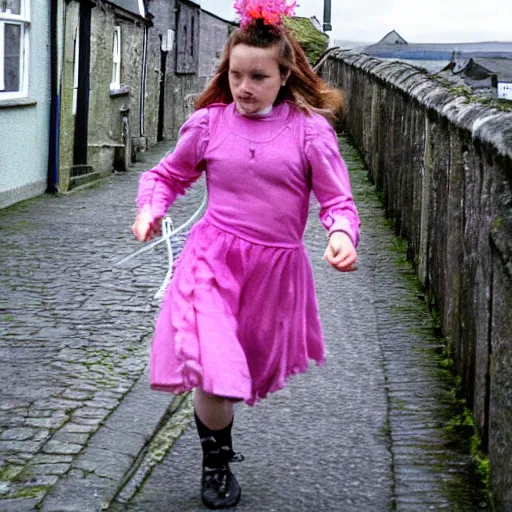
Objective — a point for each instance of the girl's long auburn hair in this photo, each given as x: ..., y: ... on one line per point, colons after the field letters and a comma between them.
x: 304, y: 87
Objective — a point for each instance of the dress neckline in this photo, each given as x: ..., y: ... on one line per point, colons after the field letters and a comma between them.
x: 279, y: 112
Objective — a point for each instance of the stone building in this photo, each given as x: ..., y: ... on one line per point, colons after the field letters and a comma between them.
x: 184, y: 46
x: 491, y: 75
x: 102, y: 89
x: 147, y: 62
x: 110, y: 79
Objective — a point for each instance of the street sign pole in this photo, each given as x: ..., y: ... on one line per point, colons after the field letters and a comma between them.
x: 327, y: 16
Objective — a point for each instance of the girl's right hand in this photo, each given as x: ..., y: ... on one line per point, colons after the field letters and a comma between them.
x: 144, y: 228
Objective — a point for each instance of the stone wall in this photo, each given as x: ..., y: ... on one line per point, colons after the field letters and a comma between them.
x: 181, y: 88
x: 67, y: 118
x: 108, y: 146
x: 444, y: 165
x: 214, y: 35
x: 106, y: 107
x: 106, y: 140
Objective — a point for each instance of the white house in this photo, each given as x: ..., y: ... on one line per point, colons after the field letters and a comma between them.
x: 505, y: 90
x: 24, y: 99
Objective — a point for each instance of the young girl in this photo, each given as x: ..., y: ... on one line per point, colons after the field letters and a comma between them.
x: 240, y: 314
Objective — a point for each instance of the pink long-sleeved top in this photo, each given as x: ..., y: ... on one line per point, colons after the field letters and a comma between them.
x: 260, y: 172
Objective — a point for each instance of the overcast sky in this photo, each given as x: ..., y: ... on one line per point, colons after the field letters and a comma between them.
x: 433, y: 21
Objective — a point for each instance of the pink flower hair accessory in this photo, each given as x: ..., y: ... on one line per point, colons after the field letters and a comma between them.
x: 270, y: 11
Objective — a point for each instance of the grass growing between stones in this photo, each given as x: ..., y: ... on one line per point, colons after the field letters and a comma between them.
x: 179, y: 418
x: 456, y: 418
x: 462, y: 426
x: 459, y: 426
x: 29, y: 492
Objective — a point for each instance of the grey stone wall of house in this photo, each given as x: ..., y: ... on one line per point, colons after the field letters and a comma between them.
x: 162, y: 44
x: 187, y: 40
x: 114, y: 116
x: 105, y: 106
x: 114, y: 129
x: 181, y: 83
x: 444, y: 165
x: 67, y: 119
x: 164, y: 26
x: 214, y: 35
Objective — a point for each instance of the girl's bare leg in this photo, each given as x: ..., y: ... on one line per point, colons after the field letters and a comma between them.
x: 215, y: 412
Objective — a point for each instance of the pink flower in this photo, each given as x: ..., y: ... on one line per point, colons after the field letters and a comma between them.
x: 270, y: 11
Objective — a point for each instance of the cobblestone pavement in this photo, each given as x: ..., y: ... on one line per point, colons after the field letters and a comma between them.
x: 74, y: 332
x: 81, y: 431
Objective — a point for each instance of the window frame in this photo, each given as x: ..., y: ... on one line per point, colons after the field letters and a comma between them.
x: 23, y: 20
x: 115, y: 83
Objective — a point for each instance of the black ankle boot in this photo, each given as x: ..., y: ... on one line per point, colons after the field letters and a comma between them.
x: 219, y: 487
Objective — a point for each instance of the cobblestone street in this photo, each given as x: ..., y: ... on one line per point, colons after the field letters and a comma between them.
x: 81, y: 431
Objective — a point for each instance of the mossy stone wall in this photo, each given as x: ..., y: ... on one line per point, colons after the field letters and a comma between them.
x: 443, y: 162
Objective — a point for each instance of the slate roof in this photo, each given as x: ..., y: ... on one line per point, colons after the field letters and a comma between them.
x: 392, y: 37
x: 500, y: 67
x: 479, y: 68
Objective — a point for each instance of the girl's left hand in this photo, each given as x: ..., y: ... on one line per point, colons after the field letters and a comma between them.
x: 341, y: 253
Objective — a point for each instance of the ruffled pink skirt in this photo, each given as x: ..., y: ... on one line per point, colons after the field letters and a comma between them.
x: 237, y: 320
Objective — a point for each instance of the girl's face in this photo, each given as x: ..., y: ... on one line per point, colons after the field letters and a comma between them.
x: 254, y: 77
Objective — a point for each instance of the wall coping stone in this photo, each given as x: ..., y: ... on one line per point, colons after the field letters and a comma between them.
x: 487, y: 124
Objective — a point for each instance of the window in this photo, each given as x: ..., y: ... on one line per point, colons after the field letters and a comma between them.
x: 116, y: 61
x: 14, y: 32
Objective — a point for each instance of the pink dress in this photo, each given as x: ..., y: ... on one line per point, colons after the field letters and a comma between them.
x: 240, y: 314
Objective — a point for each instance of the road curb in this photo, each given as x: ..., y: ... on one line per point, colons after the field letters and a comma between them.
x: 113, y: 452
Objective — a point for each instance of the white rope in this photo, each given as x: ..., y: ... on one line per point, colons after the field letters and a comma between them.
x: 167, y: 229
x: 168, y: 232
x: 163, y: 238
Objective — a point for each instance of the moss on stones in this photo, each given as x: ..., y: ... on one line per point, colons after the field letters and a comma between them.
x: 313, y: 42
x: 457, y: 418
x: 29, y: 492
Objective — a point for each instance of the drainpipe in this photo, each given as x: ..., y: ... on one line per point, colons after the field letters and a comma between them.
x: 327, y: 16
x: 148, y: 23
x: 53, y: 153
x: 143, y: 80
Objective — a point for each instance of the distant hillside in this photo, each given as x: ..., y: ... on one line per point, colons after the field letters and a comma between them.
x: 442, y: 51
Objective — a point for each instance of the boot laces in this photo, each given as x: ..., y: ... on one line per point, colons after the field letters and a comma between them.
x: 218, y: 476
